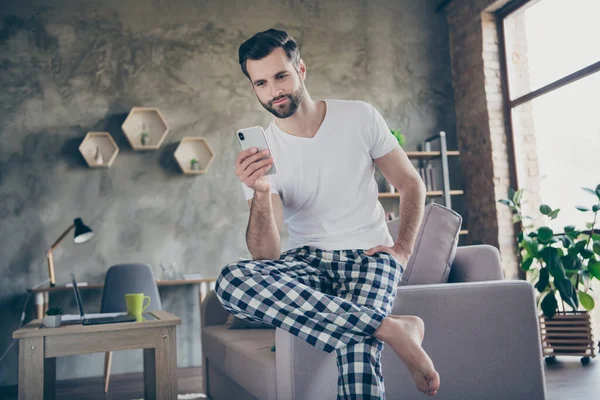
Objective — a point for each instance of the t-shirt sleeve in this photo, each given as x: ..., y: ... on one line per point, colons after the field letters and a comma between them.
x: 381, y: 140
x: 249, y: 193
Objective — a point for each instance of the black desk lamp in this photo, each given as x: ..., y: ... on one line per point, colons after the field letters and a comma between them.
x: 83, y: 233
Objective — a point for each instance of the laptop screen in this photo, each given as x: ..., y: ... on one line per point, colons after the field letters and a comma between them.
x: 77, y: 295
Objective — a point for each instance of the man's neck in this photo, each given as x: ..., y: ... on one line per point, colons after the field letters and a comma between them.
x: 306, y: 120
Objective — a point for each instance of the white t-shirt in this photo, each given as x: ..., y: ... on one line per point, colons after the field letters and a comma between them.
x: 326, y: 182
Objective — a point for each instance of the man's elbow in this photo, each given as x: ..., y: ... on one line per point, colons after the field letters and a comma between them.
x: 414, y: 186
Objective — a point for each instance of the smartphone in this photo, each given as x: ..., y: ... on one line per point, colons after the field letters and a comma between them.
x: 255, y: 137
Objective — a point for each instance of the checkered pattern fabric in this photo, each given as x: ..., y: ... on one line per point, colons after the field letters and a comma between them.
x: 334, y: 300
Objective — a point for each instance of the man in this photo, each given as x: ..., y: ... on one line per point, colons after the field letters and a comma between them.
x: 336, y: 287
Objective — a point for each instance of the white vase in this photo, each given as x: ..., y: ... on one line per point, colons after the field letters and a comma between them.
x: 52, y: 321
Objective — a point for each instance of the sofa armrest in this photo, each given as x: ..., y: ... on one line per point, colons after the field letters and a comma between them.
x: 482, y: 337
x: 303, y: 372
x: 476, y: 263
x: 213, y: 312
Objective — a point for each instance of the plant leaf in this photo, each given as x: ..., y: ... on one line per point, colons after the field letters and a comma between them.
x: 566, y: 241
x: 531, y: 246
x: 594, y: 268
x: 554, y: 213
x: 527, y: 264
x: 570, y: 262
x: 549, y: 305
x: 574, y: 296
x: 596, y: 247
x: 598, y: 191
x: 511, y: 193
x: 586, y: 300
x: 585, y: 253
x: 506, y: 202
x: 552, y: 258
x: 595, y: 207
x: 543, y: 281
x: 569, y: 228
x: 545, y: 209
x: 545, y: 234
x: 565, y: 288
x: 582, y: 208
x: 517, y: 196
x: 580, y: 245
x: 516, y: 218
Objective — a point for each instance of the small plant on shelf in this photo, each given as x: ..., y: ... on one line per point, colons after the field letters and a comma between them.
x: 145, y: 138
x: 53, y: 317
x: 399, y: 136
x: 194, y: 164
x: 54, y: 311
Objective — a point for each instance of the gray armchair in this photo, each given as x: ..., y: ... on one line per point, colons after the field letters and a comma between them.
x: 480, y: 331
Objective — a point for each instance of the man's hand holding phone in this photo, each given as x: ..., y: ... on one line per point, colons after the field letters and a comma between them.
x: 250, y: 169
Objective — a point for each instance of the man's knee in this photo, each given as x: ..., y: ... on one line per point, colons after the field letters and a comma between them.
x: 226, y: 279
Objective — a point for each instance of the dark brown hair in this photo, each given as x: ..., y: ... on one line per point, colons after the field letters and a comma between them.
x: 263, y: 43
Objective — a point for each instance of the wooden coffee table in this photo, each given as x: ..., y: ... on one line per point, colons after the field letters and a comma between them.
x: 39, y: 347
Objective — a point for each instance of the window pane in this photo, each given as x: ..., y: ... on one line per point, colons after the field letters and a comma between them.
x: 557, y: 146
x: 549, y: 40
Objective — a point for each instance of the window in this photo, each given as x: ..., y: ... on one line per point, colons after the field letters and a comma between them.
x: 553, y: 67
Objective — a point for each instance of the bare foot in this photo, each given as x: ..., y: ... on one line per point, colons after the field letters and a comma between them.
x: 404, y: 333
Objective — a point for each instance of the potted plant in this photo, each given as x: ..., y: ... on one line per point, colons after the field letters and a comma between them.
x: 145, y: 138
x: 144, y: 134
x: 399, y: 136
x: 564, y: 264
x: 194, y: 164
x: 53, y: 317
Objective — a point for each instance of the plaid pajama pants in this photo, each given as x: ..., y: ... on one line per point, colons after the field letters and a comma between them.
x: 334, y: 300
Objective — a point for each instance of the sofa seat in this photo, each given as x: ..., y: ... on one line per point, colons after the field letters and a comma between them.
x: 245, y: 356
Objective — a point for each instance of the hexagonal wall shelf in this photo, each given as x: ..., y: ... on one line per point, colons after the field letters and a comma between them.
x: 99, y: 149
x: 191, y: 148
x: 145, y: 128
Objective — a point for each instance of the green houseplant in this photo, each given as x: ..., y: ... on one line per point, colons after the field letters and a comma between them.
x: 399, y: 136
x: 194, y: 164
x: 53, y: 317
x: 564, y: 262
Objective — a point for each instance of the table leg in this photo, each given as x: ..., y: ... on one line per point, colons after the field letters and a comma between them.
x: 50, y: 378
x: 150, y: 374
x: 160, y: 367
x: 31, y: 368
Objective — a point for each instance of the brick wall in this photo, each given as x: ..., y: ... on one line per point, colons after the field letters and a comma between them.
x: 481, y: 127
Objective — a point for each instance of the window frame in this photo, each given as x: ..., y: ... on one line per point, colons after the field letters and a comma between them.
x: 509, y: 104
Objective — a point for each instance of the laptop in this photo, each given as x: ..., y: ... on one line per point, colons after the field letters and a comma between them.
x: 110, y: 318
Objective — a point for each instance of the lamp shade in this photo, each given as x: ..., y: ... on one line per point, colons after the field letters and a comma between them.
x: 83, y: 233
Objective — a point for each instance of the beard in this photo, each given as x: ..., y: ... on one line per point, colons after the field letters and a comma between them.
x: 288, y: 108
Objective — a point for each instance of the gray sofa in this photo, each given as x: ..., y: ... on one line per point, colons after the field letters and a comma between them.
x: 480, y: 331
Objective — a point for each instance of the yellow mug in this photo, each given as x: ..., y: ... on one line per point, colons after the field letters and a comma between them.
x: 135, y: 303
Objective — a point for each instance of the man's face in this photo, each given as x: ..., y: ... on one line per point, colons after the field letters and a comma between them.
x: 277, y: 85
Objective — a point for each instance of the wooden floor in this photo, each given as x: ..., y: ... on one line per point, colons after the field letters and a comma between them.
x: 567, y: 379
x: 122, y: 387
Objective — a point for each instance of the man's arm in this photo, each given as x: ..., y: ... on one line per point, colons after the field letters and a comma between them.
x: 399, y: 171
x: 264, y: 226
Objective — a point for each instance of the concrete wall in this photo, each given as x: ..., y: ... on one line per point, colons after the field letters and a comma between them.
x: 68, y: 67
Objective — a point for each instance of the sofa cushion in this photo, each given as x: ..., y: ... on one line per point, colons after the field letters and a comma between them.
x: 238, y: 323
x: 245, y: 356
x: 435, y: 246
